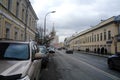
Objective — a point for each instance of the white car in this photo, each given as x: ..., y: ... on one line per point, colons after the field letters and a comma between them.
x: 19, y: 60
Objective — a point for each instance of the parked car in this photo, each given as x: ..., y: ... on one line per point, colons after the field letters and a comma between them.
x: 114, y: 61
x: 69, y: 51
x: 51, y: 50
x: 19, y: 60
x: 45, y: 56
x: 59, y: 48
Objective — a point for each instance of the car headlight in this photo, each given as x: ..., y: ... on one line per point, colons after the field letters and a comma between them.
x: 24, y: 78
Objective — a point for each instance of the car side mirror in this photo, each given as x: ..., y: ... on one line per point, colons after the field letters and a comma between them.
x: 37, y: 56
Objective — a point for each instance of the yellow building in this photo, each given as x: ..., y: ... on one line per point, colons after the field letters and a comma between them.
x: 61, y: 45
x: 17, y: 20
x: 102, y: 38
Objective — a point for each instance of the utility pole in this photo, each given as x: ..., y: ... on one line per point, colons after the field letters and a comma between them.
x: 45, y: 24
x: 26, y: 19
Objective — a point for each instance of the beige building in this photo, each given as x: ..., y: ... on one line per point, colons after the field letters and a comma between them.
x: 61, y: 45
x: 17, y: 20
x: 102, y: 38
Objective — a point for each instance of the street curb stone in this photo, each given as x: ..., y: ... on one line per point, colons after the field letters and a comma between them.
x: 96, y: 54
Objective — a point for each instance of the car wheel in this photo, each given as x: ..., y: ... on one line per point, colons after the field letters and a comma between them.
x: 111, y: 64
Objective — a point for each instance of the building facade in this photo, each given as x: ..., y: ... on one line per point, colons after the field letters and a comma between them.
x: 102, y: 38
x: 61, y: 45
x: 18, y: 20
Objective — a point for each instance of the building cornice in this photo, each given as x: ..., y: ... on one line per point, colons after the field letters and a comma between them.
x: 101, y: 24
x: 32, y: 10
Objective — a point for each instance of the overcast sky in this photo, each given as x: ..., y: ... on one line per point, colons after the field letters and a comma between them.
x: 74, y: 15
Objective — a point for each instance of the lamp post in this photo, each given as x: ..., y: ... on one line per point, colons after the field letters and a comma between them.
x: 45, y: 23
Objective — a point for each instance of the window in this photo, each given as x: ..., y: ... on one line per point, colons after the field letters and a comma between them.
x: 30, y: 21
x: 7, y: 30
x: 22, y: 37
x: 23, y: 12
x: 109, y: 35
x: 100, y: 36
x: 33, y: 23
x: 97, y: 37
x: 17, y: 9
x: 16, y: 36
x: 90, y: 39
x: 86, y: 39
x: 104, y: 35
x: 9, y: 4
x: 7, y: 33
x: 16, y: 33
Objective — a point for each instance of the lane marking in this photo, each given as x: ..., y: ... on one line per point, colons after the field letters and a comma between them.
x: 99, y: 70
x: 95, y: 68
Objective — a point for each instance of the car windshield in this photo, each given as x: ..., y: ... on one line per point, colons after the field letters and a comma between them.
x: 14, y: 51
x: 42, y: 49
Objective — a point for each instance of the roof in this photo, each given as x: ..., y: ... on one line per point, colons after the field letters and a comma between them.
x: 101, y: 24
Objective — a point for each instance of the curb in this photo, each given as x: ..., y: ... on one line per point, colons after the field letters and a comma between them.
x: 101, y: 55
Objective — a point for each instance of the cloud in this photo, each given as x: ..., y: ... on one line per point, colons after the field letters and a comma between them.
x: 74, y: 15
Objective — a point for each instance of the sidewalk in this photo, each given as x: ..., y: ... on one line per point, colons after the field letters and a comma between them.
x: 50, y: 72
x: 96, y: 54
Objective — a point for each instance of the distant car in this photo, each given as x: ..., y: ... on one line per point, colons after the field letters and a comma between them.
x: 69, y: 51
x: 19, y: 60
x: 51, y: 50
x: 45, y: 56
x: 59, y: 48
x: 114, y: 61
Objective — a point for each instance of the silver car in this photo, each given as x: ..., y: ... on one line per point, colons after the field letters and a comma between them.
x: 19, y: 60
x: 45, y: 56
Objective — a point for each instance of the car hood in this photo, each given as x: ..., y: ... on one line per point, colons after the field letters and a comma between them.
x: 8, y: 68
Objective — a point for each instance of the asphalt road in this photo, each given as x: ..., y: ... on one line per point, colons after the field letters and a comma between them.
x: 79, y: 66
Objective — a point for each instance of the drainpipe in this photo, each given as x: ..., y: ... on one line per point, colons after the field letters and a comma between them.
x: 26, y: 19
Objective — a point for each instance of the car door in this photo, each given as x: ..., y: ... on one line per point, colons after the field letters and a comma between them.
x: 35, y: 66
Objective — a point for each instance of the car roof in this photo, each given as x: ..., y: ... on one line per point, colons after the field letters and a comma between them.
x: 9, y: 41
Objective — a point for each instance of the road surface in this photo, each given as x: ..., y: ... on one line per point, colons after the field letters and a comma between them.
x: 80, y: 66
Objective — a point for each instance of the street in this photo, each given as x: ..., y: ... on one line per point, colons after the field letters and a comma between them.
x: 79, y: 66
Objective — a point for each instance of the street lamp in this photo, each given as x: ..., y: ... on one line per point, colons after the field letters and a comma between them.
x: 45, y: 23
